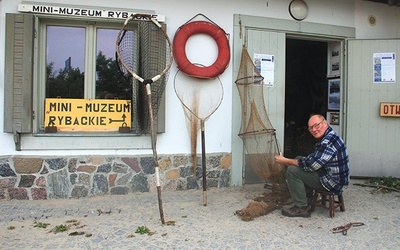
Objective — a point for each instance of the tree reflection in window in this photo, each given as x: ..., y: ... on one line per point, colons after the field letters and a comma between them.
x: 65, y: 62
x: 110, y: 83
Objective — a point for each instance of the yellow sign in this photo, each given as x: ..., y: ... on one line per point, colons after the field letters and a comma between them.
x: 390, y: 109
x: 87, y: 114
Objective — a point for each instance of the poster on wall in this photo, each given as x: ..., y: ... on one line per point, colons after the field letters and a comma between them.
x: 334, y: 94
x: 384, y: 67
x: 265, y: 64
x: 334, y: 118
x: 334, y: 59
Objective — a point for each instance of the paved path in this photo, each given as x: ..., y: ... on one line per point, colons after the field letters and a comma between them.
x: 196, y: 226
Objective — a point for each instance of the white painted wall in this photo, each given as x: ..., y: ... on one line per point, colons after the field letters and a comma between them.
x: 387, y: 21
x: 351, y: 13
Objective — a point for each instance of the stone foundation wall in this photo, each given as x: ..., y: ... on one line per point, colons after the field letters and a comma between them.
x: 40, y: 178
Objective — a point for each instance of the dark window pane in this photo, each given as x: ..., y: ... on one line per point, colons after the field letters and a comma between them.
x: 65, y: 62
x: 110, y: 83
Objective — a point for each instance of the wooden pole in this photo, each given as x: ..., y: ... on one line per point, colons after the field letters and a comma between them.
x: 153, y: 146
x: 203, y: 163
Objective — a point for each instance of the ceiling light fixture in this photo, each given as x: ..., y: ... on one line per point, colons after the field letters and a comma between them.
x: 298, y: 9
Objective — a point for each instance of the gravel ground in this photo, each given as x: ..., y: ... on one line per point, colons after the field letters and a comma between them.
x: 110, y: 222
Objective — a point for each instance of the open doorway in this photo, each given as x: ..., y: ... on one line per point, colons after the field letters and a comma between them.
x: 305, y: 92
x: 306, y: 64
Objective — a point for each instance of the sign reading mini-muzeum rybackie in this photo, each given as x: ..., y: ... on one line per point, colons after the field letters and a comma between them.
x: 87, y: 114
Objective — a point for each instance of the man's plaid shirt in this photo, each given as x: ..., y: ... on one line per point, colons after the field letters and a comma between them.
x: 330, y: 160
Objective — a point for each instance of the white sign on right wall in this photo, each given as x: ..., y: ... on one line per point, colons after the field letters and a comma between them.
x: 384, y: 67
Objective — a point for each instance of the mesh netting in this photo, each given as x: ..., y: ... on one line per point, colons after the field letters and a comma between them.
x: 258, y: 134
x: 200, y: 99
x: 144, y: 50
x: 256, y: 129
x: 147, y: 54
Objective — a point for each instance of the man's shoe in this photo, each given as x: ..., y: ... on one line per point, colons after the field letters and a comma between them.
x: 296, y: 211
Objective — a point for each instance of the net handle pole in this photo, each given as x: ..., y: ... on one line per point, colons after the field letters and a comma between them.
x: 147, y: 83
x: 203, y: 162
x: 277, y: 144
x: 153, y: 145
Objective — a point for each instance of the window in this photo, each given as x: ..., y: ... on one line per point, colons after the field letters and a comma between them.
x: 109, y: 82
x: 65, y: 62
x: 79, y: 62
x: 68, y: 58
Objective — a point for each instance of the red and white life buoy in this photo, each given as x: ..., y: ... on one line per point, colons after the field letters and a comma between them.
x: 201, y: 27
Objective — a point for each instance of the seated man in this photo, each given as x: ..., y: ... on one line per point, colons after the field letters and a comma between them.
x: 327, y: 168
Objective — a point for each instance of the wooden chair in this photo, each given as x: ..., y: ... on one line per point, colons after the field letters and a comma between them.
x: 321, y: 198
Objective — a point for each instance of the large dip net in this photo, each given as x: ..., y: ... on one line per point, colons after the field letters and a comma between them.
x: 259, y: 139
x: 198, y: 86
x: 200, y: 99
x: 144, y: 53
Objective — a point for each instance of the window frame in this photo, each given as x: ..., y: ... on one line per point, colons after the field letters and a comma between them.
x: 91, y: 27
x: 90, y: 59
x: 37, y: 139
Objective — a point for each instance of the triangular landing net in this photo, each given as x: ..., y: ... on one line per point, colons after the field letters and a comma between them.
x: 259, y: 137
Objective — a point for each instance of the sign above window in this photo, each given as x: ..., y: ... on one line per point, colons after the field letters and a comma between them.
x: 71, y: 115
x: 80, y: 11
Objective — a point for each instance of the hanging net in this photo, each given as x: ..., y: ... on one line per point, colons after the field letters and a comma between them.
x: 259, y: 140
x: 200, y: 99
x: 145, y: 49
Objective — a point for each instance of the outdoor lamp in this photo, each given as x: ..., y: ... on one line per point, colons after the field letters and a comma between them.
x: 298, y: 9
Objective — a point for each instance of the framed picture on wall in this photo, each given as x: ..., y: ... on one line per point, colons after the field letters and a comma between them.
x: 334, y: 94
x: 334, y: 58
x: 334, y: 118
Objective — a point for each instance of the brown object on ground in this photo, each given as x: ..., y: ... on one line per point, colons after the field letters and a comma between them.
x: 255, y: 209
x: 264, y: 204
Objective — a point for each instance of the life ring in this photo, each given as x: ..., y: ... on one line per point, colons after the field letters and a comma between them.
x: 201, y: 27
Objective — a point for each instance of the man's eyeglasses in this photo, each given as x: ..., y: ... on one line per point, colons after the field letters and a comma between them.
x: 315, y: 126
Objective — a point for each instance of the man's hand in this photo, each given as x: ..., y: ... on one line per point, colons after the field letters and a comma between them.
x: 286, y: 161
x: 280, y: 159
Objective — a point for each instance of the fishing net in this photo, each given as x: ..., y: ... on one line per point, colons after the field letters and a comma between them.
x: 144, y: 51
x: 200, y: 99
x: 142, y: 48
x: 259, y: 140
x: 199, y: 88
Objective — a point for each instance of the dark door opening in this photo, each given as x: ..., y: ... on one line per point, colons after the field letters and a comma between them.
x: 305, y: 92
